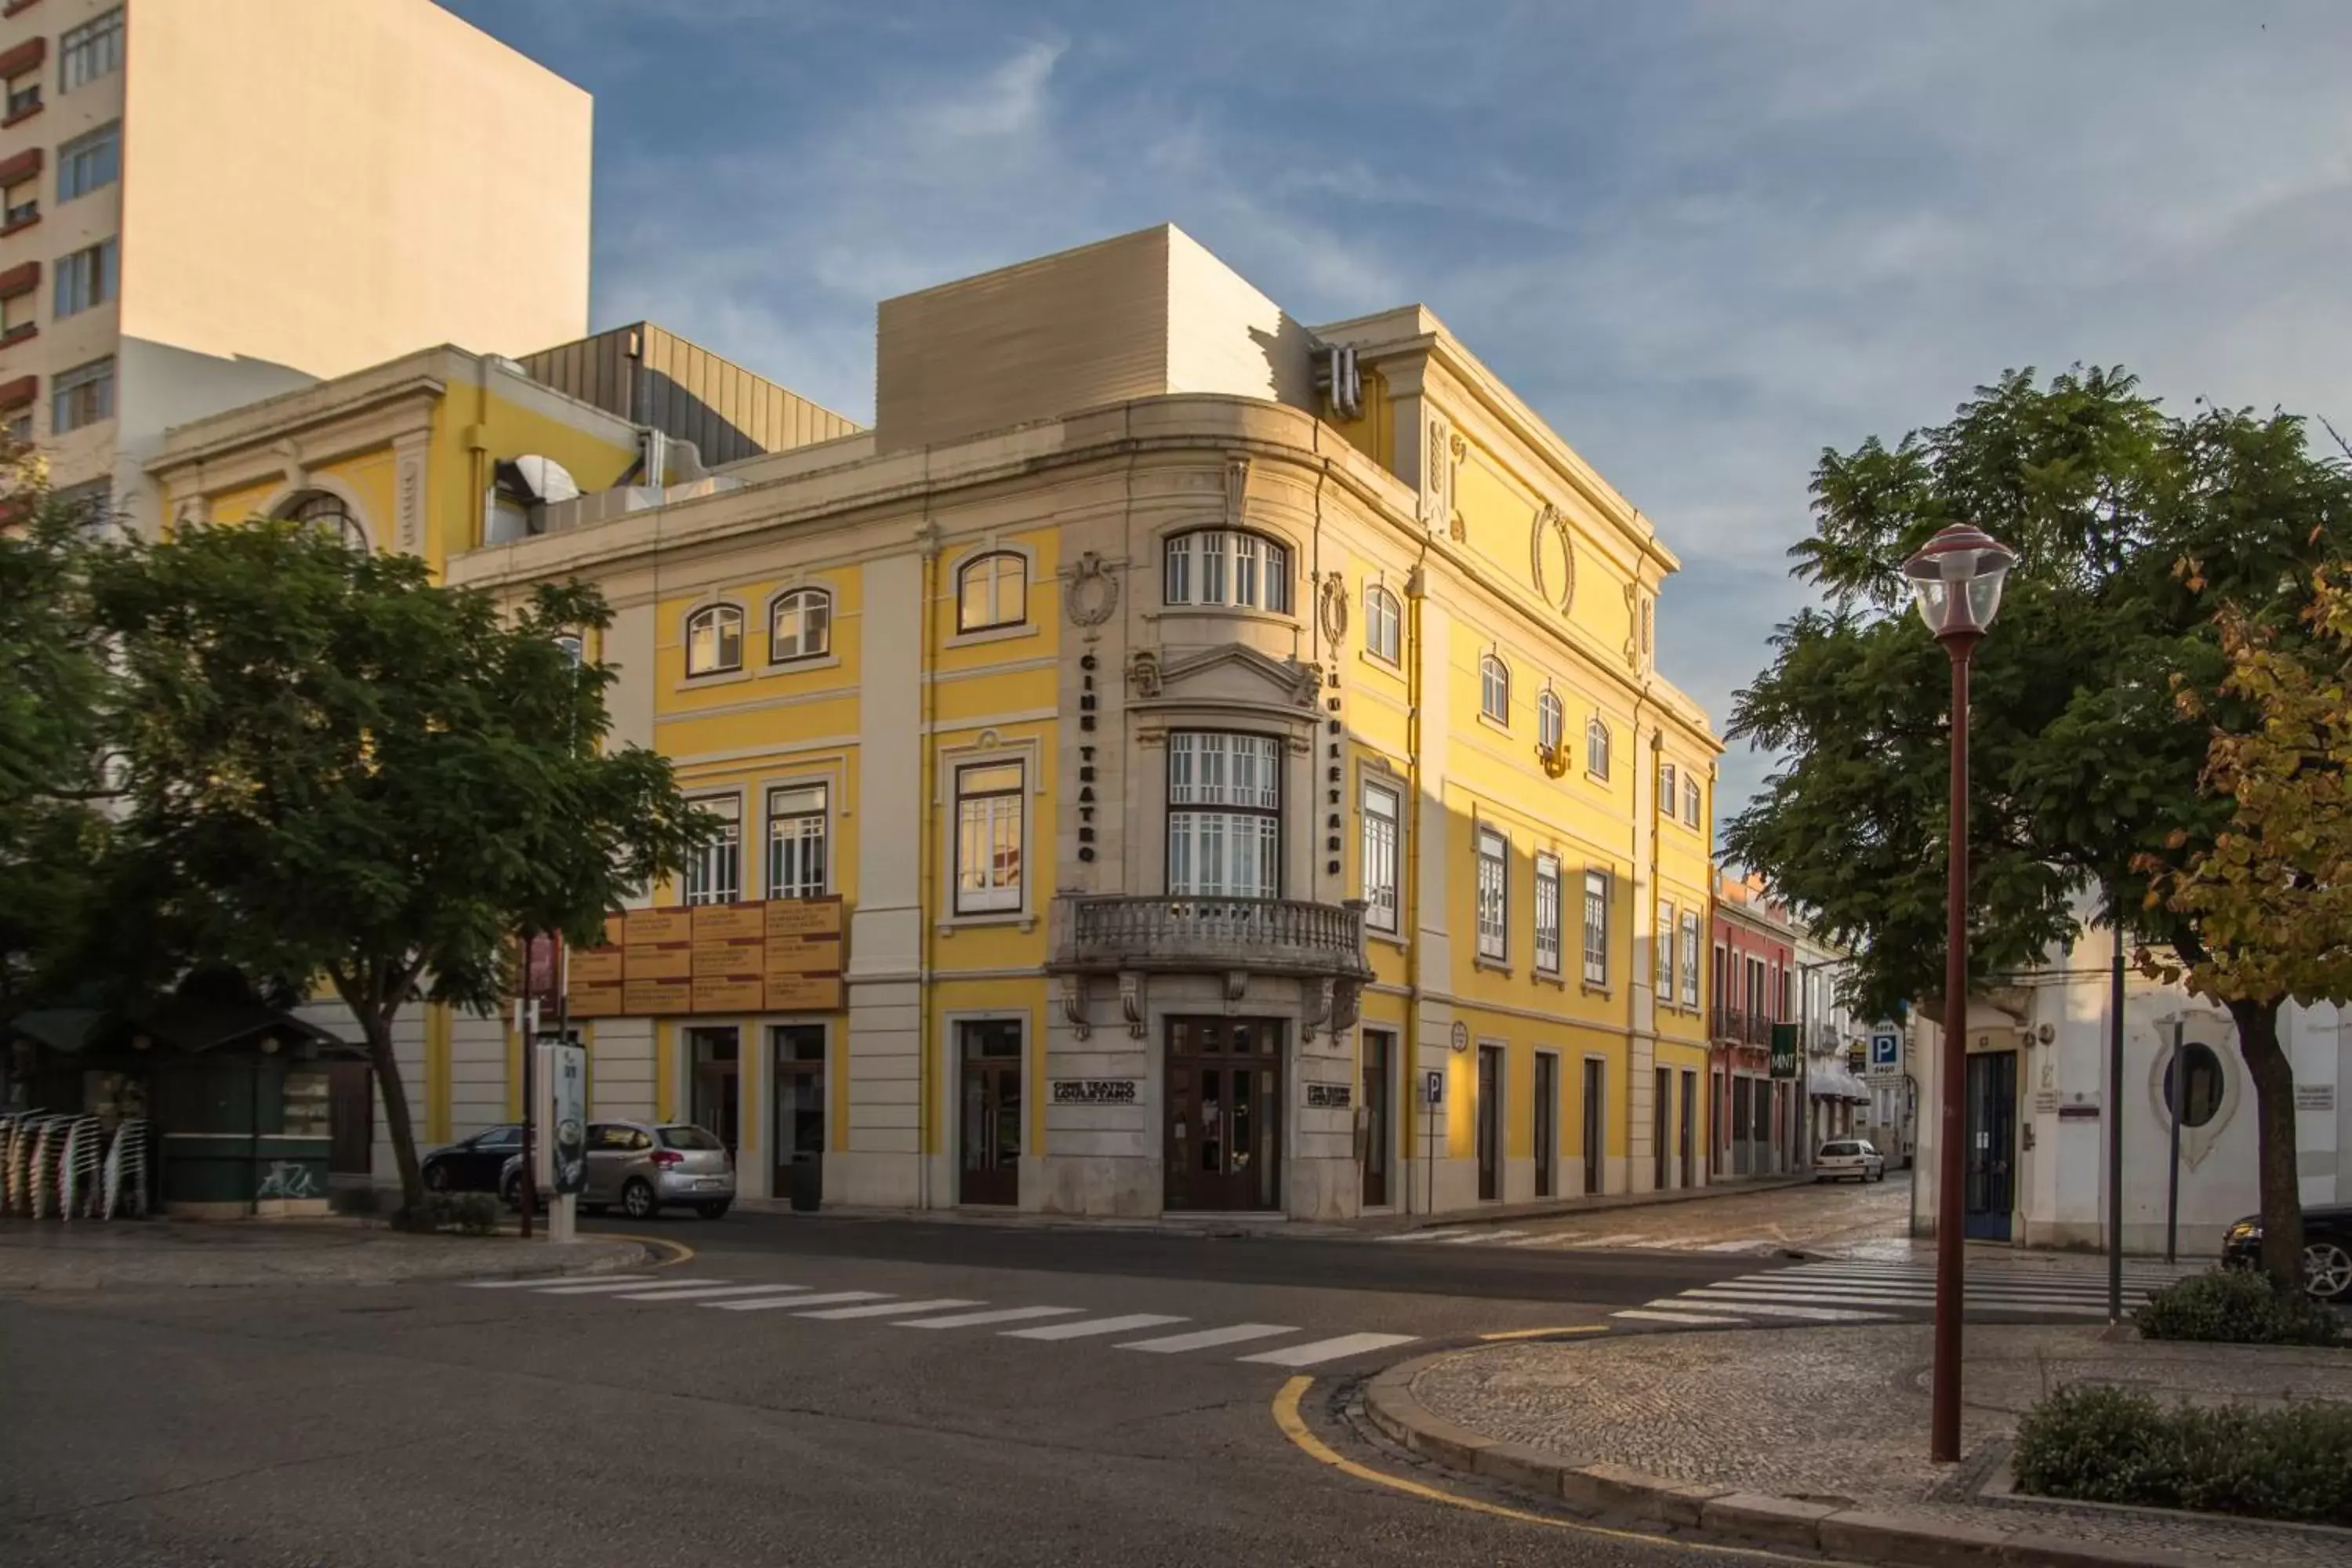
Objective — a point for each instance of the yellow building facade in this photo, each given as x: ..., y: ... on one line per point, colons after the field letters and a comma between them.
x: 1231, y: 753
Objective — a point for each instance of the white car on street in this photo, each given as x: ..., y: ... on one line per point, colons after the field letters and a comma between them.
x: 1846, y: 1157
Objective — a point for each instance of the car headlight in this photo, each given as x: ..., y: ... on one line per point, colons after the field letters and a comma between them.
x: 2245, y: 1230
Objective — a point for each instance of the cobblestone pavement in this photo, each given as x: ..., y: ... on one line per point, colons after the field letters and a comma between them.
x: 56, y: 1255
x: 1839, y: 1415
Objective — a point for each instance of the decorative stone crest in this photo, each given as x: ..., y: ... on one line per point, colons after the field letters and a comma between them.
x: 1307, y: 689
x: 1632, y: 626
x: 1143, y: 671
x: 1334, y: 609
x: 1551, y: 558
x: 1091, y: 594
x: 1236, y: 489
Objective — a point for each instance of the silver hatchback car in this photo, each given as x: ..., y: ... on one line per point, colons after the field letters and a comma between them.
x: 645, y: 1166
x: 1843, y: 1157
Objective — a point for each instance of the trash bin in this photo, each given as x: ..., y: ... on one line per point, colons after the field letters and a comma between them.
x: 808, y: 1182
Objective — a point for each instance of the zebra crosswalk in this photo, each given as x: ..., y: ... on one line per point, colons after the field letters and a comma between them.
x: 1587, y: 1240
x: 1036, y: 1323
x: 1854, y: 1291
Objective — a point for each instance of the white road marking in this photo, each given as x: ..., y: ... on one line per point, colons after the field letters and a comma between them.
x: 1437, y: 1234
x: 701, y: 1292
x: 1092, y: 1326
x: 612, y: 1286
x: 541, y: 1280
x: 766, y: 1302
x: 1888, y: 1298
x: 1646, y: 1315
x: 1001, y: 1315
x: 892, y: 1309
x: 1322, y: 1351
x: 1772, y: 1309
x: 1233, y: 1334
x: 1478, y: 1236
x: 1750, y: 1244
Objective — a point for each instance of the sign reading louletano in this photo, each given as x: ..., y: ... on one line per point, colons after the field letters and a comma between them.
x: 777, y: 955
x: 1093, y: 1091
x: 1329, y: 1095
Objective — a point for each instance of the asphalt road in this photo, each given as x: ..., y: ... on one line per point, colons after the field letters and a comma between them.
x: 444, y: 1425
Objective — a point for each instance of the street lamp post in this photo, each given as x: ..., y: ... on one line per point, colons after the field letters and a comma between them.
x: 1957, y: 581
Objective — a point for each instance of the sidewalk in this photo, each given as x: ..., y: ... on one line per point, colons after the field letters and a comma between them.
x: 53, y: 1255
x: 1818, y: 1438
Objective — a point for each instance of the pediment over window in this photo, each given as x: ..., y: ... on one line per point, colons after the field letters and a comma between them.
x: 1229, y: 672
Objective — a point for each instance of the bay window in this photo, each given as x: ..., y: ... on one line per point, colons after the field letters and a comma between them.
x: 1224, y: 566
x: 1224, y: 814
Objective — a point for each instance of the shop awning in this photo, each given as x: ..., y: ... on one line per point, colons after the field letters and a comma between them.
x: 1835, y: 1080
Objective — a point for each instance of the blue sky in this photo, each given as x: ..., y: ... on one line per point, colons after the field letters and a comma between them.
x: 1704, y: 241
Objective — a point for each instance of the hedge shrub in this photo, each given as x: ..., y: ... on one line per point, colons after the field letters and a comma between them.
x: 2108, y: 1445
x: 2236, y: 1306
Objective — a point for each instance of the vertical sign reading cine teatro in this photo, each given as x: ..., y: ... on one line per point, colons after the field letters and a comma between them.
x: 783, y: 955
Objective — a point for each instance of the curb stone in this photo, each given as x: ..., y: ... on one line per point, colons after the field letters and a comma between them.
x: 1906, y: 1541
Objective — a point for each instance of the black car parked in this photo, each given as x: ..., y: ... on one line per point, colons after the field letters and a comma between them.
x: 2327, y: 1249
x: 472, y: 1164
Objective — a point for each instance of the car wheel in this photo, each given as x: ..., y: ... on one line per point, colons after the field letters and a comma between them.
x: 2328, y: 1270
x: 637, y: 1200
x: 437, y: 1178
x: 715, y: 1209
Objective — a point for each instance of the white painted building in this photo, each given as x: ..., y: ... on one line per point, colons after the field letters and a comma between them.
x: 2038, y: 1121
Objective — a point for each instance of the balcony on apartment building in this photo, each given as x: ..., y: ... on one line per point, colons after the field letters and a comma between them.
x: 1736, y: 1026
x: 1107, y: 933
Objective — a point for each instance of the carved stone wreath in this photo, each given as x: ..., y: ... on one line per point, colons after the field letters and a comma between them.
x: 1093, y: 592
x: 1552, y: 523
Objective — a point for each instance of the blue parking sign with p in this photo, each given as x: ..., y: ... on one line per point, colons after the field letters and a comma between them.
x: 1885, y: 1051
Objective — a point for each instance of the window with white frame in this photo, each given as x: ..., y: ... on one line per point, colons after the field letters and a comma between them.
x: 89, y: 51
x: 82, y: 395
x: 1692, y: 804
x: 714, y: 640
x: 1494, y: 896
x: 1548, y: 917
x: 1690, y: 958
x: 797, y: 837
x: 1663, y: 940
x: 1596, y: 747
x: 86, y: 279
x: 1381, y: 820
x: 1596, y: 928
x: 1215, y: 566
x: 1224, y: 814
x: 800, y: 625
x: 992, y: 589
x: 714, y: 868
x: 90, y: 161
x: 1495, y: 688
x: 1383, y: 623
x: 1666, y: 794
x: 988, y: 837
x: 1550, y: 721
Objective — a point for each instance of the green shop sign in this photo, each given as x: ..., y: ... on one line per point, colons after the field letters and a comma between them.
x: 1784, y: 1050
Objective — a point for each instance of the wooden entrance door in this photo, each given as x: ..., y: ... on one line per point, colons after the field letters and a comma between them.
x: 800, y: 1100
x: 1379, y: 1133
x: 1990, y: 1191
x: 1546, y: 1123
x: 1595, y: 1125
x: 1661, y: 1113
x: 1224, y: 1113
x: 991, y: 1167
x: 1690, y: 1130
x: 1490, y: 1122
x: 715, y: 1098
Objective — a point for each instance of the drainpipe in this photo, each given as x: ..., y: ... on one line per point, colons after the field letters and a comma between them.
x: 927, y: 775
x: 1415, y: 586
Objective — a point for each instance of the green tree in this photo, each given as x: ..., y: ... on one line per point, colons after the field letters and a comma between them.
x: 53, y: 697
x: 2271, y: 894
x: 2084, y: 771
x: 337, y: 771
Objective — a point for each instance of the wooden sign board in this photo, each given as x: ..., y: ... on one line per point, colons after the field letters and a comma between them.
x: 782, y: 955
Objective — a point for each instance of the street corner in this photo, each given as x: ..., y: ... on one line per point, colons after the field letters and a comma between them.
x: 173, y: 1255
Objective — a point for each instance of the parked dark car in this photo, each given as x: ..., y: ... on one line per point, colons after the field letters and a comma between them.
x: 472, y: 1164
x: 2327, y: 1249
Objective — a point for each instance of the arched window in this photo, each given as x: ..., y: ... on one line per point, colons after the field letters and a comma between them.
x: 1596, y: 747
x: 800, y: 625
x: 1382, y: 622
x: 1225, y: 566
x: 1494, y: 689
x: 1549, y: 721
x: 992, y: 589
x: 330, y: 516
x: 714, y: 640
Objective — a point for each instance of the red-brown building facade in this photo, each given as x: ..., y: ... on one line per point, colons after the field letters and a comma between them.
x: 1754, y: 946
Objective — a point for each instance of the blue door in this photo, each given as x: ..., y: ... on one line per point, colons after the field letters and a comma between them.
x: 1991, y: 1189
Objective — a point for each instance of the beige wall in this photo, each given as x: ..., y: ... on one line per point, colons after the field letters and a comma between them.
x: 329, y: 186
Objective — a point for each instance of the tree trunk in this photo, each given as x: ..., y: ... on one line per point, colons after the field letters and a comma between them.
x: 375, y: 1023
x: 2274, y: 1076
